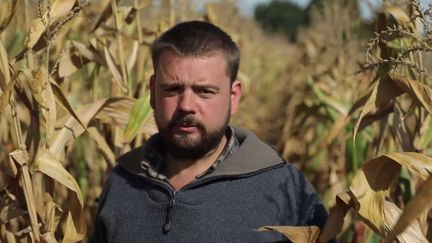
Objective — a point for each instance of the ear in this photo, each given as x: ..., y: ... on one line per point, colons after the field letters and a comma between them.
x: 236, y: 92
x: 152, y: 91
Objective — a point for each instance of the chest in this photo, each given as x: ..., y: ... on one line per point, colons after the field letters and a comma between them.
x: 220, y: 211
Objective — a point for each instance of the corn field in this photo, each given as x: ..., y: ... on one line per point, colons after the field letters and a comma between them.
x: 351, y: 111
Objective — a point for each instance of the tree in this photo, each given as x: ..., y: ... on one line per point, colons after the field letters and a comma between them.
x: 281, y: 17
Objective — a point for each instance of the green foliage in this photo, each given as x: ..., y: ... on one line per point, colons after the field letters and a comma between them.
x: 281, y: 17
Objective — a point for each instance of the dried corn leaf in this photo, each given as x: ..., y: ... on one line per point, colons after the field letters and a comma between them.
x: 415, y: 89
x: 7, y: 11
x: 306, y: 234
x: 36, y: 81
x: 115, y: 110
x: 370, y: 186
x: 48, y: 237
x: 61, y: 8
x: 103, y: 146
x: 61, y: 98
x: 34, y: 35
x: 106, y: 14
x: 50, y: 115
x: 407, y: 229
x: 4, y: 67
x: 396, y: 15
x: 335, y: 221
x: 49, y: 165
x: 53, y: 212
x: 10, y: 212
x: 76, y: 56
x: 141, y: 111
x: 133, y: 56
x: 20, y: 158
x: 383, y: 92
x: 36, y: 39
x: 418, y: 164
x: 113, y: 67
x: 5, y: 96
x: 76, y: 226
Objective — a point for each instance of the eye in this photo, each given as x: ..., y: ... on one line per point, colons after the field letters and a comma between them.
x: 172, y: 89
x: 206, y: 92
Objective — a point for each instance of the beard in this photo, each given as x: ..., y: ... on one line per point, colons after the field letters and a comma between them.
x: 181, y: 145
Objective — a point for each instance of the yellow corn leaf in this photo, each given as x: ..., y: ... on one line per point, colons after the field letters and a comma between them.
x: 112, y: 110
x: 9, y: 212
x: 116, y: 111
x: 35, y: 32
x: 335, y: 221
x: 66, y: 66
x: 76, y: 225
x: 140, y: 113
x: 113, y: 67
x: 133, y: 56
x: 4, y: 67
x: 420, y: 203
x: 49, y: 115
x: 296, y: 234
x: 415, y: 89
x: 36, y: 81
x: 418, y: 164
x: 61, y: 98
x: 53, y: 214
x: 129, y: 13
x: 370, y: 185
x: 61, y: 8
x: 76, y: 56
x: 210, y: 9
x: 48, y: 164
x: 48, y: 238
x: 383, y: 92
x: 20, y: 157
x: 5, y: 96
x: 106, y: 14
x: 397, y: 14
x: 7, y: 11
x: 103, y: 146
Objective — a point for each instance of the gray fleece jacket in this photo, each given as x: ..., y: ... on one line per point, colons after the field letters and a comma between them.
x: 253, y: 187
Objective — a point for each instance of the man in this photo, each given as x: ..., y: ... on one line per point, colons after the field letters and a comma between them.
x: 199, y: 179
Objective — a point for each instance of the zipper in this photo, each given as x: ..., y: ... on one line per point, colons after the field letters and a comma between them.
x: 168, y: 212
x: 168, y: 209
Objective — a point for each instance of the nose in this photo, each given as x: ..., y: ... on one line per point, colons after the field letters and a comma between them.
x: 187, y: 102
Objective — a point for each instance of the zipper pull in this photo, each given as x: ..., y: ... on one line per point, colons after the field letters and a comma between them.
x: 167, y: 226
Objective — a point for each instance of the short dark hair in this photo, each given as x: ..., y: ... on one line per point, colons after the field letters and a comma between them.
x: 198, y: 38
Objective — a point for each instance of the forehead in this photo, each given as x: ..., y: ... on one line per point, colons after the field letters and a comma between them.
x: 169, y: 58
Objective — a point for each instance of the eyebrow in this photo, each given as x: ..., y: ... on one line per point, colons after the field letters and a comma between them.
x: 205, y: 86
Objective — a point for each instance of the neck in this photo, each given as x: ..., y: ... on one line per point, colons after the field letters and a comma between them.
x: 182, y: 172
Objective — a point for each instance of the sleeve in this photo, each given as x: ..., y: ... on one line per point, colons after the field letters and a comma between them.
x: 311, y: 209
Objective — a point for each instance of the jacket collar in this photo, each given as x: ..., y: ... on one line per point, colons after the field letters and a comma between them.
x: 252, y: 156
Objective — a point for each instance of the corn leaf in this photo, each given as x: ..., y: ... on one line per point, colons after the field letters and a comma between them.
x: 415, y: 89
x: 139, y: 115
x: 49, y: 165
x: 306, y: 234
x: 383, y: 92
x: 7, y: 11
x: 114, y: 69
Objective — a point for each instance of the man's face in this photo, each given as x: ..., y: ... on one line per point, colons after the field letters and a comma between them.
x: 193, y: 99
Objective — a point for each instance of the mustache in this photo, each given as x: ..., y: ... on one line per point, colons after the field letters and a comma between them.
x: 187, y: 120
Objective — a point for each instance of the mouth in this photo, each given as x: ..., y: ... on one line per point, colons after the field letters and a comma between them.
x: 186, y: 128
